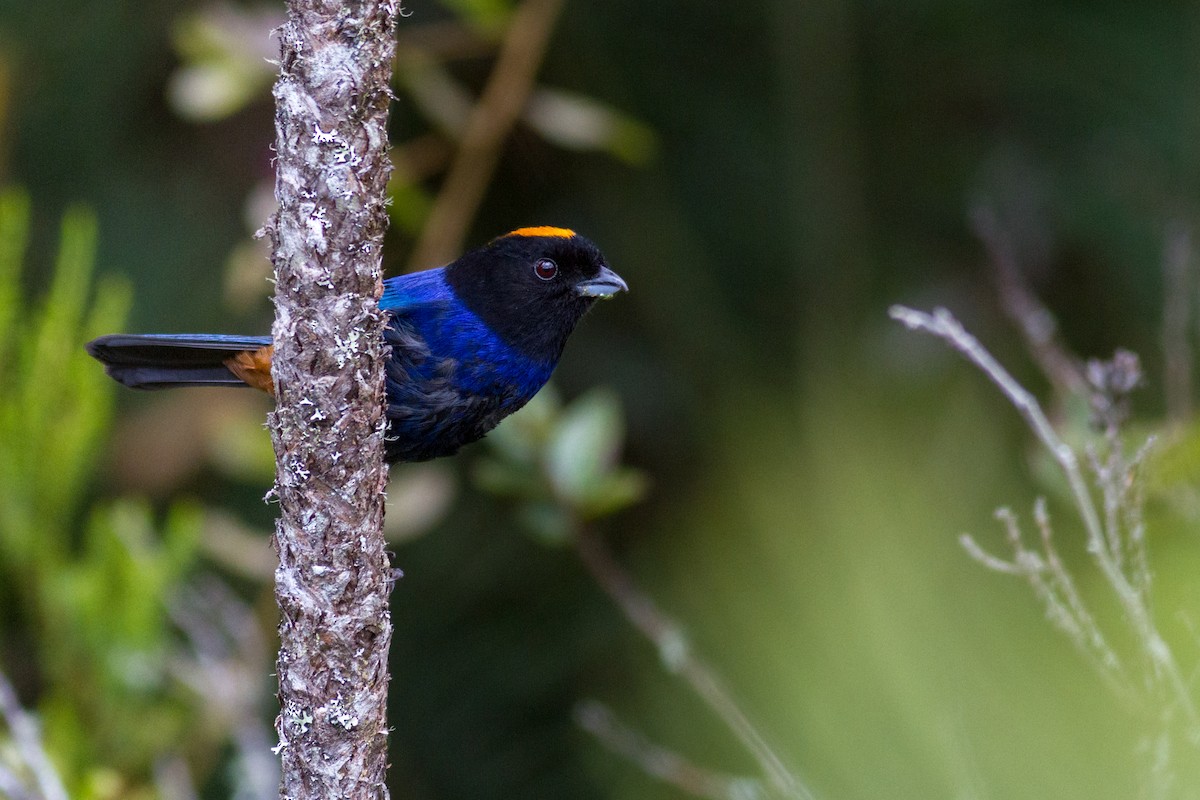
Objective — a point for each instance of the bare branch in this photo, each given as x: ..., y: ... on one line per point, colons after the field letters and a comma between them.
x: 1035, y: 322
x: 941, y: 323
x: 497, y: 111
x: 658, y: 762
x: 678, y: 657
x: 1177, y: 311
x: 27, y: 742
x: 333, y: 579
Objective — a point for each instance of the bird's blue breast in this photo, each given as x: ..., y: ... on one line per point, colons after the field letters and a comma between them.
x: 450, y: 379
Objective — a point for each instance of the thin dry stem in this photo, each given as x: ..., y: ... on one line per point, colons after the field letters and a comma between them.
x: 1178, y: 300
x: 1135, y: 525
x: 994, y: 563
x: 659, y: 762
x: 1032, y: 568
x: 941, y: 323
x: 1065, y: 587
x: 27, y: 745
x: 1104, y: 471
x: 1058, y: 595
x: 1035, y: 322
x: 678, y: 657
x: 488, y: 127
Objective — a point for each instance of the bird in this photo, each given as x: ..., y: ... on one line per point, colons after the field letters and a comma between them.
x: 467, y: 343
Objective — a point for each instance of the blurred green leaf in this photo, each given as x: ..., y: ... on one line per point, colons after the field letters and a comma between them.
x: 576, y: 122
x: 561, y: 464
x: 90, y: 591
x: 568, y: 120
x: 441, y: 99
x: 14, y: 225
x: 1175, y: 459
x: 242, y: 447
x: 614, y: 492
x: 225, y: 52
x: 57, y: 402
x: 1172, y: 471
x: 584, y: 445
x: 418, y: 496
x: 549, y: 523
x: 488, y: 17
x: 522, y: 435
x: 505, y: 479
x: 109, y: 660
x: 410, y: 203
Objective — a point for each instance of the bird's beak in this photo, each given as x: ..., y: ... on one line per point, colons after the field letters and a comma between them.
x: 604, y: 285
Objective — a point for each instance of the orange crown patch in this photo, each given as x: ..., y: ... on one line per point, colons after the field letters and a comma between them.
x: 543, y: 230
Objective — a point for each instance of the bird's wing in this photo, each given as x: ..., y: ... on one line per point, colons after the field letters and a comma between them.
x: 408, y: 294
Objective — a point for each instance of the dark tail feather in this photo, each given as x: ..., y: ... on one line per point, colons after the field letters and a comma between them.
x: 162, y: 360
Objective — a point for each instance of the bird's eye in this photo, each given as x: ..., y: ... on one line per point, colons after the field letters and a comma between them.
x: 545, y: 269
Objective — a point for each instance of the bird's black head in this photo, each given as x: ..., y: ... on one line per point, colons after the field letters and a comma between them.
x: 532, y: 286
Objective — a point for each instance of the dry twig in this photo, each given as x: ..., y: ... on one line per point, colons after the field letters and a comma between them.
x: 658, y: 762
x: 678, y: 657
x: 1108, y: 382
x: 1035, y: 322
x: 1179, y: 298
x: 28, y: 751
x: 487, y: 129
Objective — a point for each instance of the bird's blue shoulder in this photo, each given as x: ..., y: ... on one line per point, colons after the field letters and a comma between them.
x: 415, y: 291
x: 449, y: 377
x: 483, y: 362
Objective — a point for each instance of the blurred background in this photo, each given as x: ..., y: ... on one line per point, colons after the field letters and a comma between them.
x: 786, y: 471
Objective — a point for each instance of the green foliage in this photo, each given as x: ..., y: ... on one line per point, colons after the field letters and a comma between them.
x: 577, y: 122
x: 1174, y: 467
x: 225, y: 61
x: 561, y: 464
x: 410, y: 202
x: 91, y: 603
x: 581, y: 457
x: 56, y: 405
x: 488, y: 17
x: 111, y: 702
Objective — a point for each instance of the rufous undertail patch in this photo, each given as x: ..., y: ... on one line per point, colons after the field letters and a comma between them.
x: 254, y: 367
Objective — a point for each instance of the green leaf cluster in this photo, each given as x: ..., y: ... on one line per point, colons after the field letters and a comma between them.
x: 561, y: 464
x: 85, y: 591
x: 56, y: 405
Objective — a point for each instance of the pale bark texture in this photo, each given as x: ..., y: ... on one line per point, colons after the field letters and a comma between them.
x: 333, y: 578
